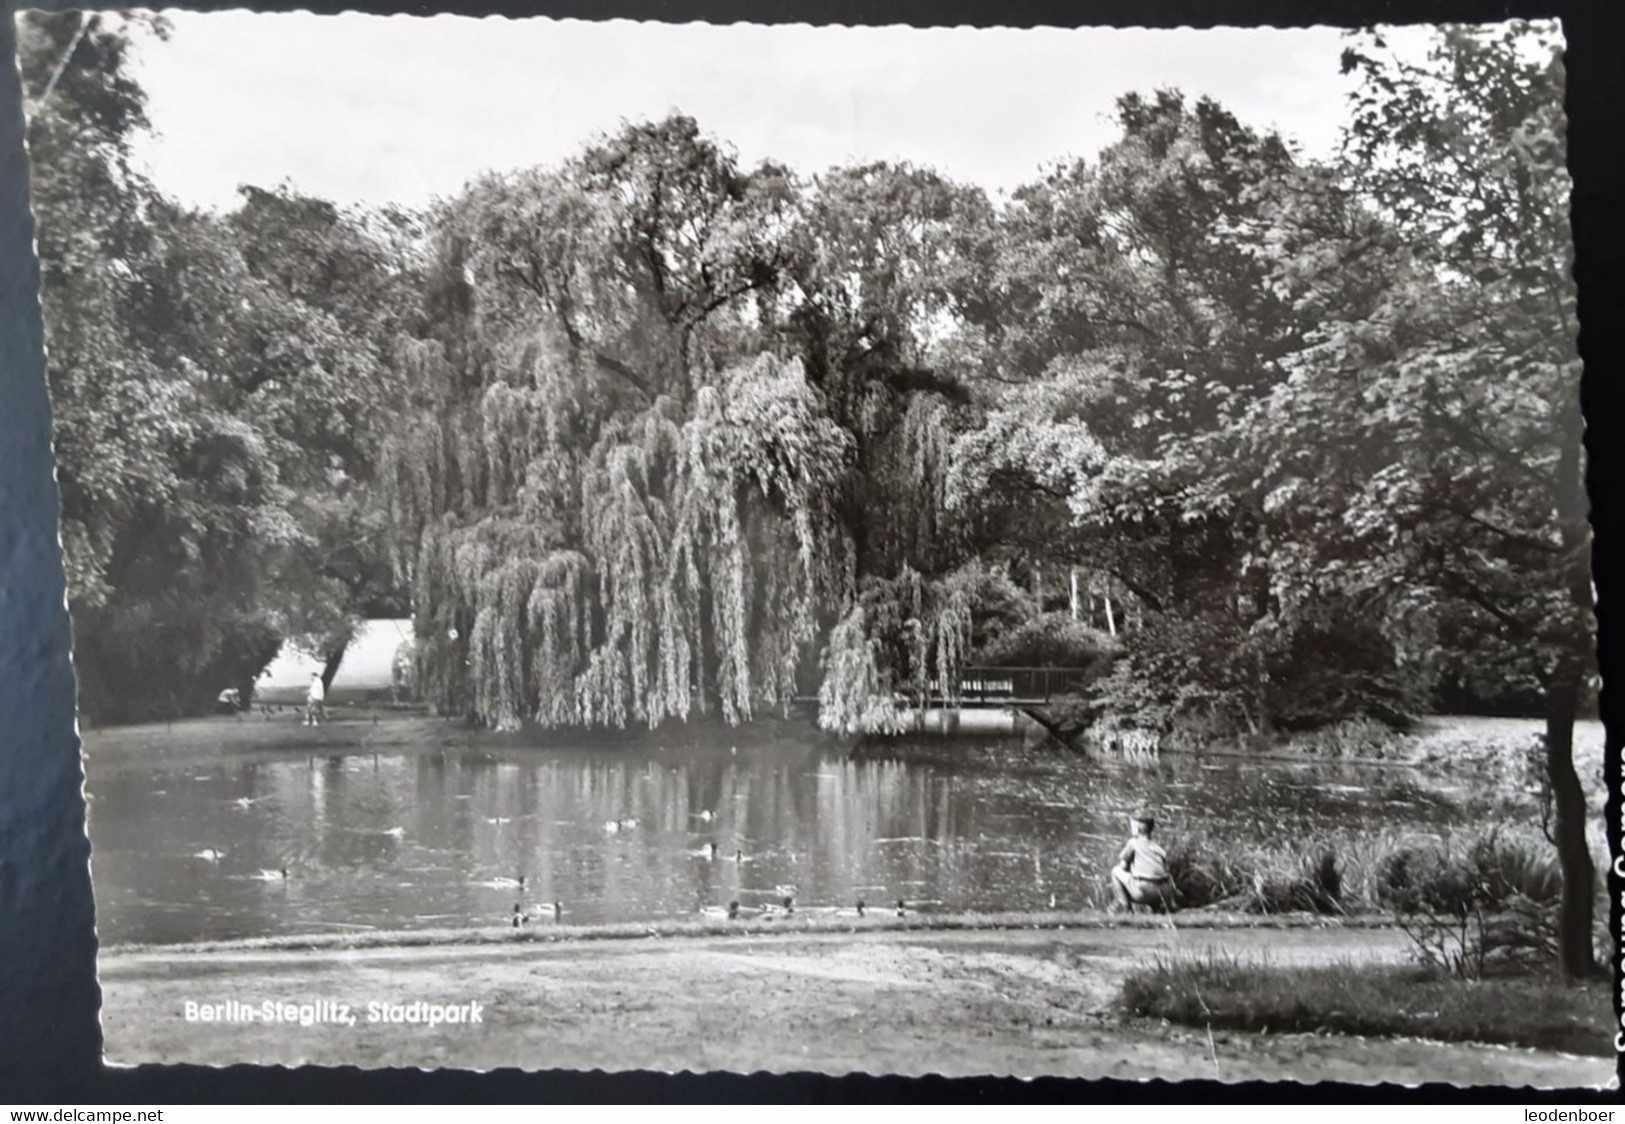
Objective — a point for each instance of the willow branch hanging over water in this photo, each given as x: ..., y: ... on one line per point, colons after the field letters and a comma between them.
x: 904, y: 643
x: 705, y: 549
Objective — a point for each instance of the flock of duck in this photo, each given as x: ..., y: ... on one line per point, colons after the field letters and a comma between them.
x: 525, y: 914
x: 785, y: 907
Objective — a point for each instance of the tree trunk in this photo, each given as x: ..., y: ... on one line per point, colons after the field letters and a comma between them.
x: 331, y: 667
x: 1266, y: 712
x: 1575, y: 953
x: 1573, y: 646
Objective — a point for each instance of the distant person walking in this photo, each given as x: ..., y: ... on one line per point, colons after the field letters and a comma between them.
x: 1141, y: 876
x: 315, y: 700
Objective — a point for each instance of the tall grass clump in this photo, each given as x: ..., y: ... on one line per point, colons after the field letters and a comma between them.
x: 1208, y: 873
x: 1359, y: 738
x: 1220, y: 990
x: 1507, y: 876
x: 1476, y: 903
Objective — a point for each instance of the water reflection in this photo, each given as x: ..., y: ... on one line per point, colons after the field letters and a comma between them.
x: 445, y: 838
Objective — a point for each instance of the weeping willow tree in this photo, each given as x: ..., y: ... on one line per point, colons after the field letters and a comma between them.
x: 632, y: 567
x: 685, y: 575
x: 634, y: 476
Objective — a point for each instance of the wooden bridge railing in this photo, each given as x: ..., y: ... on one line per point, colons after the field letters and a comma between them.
x: 1004, y: 686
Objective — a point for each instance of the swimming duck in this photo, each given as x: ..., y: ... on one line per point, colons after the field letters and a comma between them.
x: 785, y: 907
x: 245, y: 802
x: 707, y: 852
x: 278, y: 875
x: 704, y: 817
x: 502, y: 882
x: 551, y: 911
x: 210, y: 854
x: 396, y: 833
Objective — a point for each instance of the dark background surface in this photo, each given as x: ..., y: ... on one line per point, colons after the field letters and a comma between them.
x: 50, y: 1039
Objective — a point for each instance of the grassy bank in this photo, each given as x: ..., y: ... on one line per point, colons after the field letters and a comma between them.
x: 1220, y: 991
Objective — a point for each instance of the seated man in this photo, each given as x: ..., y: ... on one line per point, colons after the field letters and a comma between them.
x: 1141, y: 878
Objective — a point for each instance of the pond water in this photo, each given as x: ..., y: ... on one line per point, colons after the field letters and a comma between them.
x: 439, y: 838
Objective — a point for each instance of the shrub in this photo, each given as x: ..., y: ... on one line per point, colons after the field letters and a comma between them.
x: 1334, y: 664
x: 1175, y: 670
x: 1358, y: 737
x: 1213, y: 678
x: 1050, y: 640
x: 134, y: 668
x: 1469, y: 907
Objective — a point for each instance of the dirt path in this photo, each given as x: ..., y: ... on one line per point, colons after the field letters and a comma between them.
x: 958, y: 1003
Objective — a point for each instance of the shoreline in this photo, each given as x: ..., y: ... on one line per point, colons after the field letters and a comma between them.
x: 1439, y: 743
x: 804, y: 923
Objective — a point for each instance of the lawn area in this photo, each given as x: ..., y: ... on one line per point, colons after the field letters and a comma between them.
x: 888, y: 998
x: 1221, y: 991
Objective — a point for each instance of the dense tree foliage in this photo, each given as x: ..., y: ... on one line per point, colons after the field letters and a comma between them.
x: 1341, y: 461
x: 214, y: 383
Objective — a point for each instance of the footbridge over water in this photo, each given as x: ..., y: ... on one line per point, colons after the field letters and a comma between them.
x: 982, y: 687
x: 996, y: 688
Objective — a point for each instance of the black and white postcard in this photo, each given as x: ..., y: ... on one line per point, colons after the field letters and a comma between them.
x: 675, y: 547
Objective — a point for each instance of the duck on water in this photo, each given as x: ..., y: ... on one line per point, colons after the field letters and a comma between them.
x: 785, y: 907
x: 548, y: 911
x: 502, y: 882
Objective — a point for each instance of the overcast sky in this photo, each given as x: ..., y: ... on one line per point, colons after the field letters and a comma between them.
x: 402, y: 109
